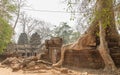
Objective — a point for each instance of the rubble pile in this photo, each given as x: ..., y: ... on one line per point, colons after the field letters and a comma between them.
x: 19, y: 63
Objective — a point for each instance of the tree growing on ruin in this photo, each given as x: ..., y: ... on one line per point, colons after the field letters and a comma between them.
x: 101, y: 33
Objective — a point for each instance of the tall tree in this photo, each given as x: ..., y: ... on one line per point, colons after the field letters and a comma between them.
x: 31, y: 25
x: 103, y: 29
x: 5, y: 34
x: 19, y: 5
x: 7, y: 7
x: 107, y: 31
x: 64, y: 31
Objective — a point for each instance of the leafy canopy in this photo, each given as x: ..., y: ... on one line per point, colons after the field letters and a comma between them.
x: 5, y: 34
x: 66, y: 33
x: 7, y: 8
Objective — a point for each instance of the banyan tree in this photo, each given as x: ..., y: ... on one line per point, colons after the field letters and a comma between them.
x: 101, y: 34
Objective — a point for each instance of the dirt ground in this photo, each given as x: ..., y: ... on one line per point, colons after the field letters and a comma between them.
x: 44, y: 69
x: 61, y: 71
x: 8, y: 71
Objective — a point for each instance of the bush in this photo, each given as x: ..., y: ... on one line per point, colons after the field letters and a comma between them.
x: 5, y: 34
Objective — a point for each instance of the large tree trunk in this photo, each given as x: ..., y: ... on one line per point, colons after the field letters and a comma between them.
x: 104, y: 24
x: 107, y: 31
x: 104, y: 50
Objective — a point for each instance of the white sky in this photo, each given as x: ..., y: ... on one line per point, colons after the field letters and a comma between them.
x: 51, y: 5
x: 53, y: 17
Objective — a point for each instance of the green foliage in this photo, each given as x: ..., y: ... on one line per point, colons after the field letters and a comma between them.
x: 118, y: 21
x: 63, y: 31
x: 5, y: 34
x: 66, y: 33
x: 103, y: 14
x: 75, y: 35
x: 7, y: 8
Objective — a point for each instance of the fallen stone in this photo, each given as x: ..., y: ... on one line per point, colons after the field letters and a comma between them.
x: 64, y: 70
x: 15, y: 67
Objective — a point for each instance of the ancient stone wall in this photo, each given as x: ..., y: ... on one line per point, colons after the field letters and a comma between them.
x: 89, y: 58
x: 35, y: 42
x: 53, y: 47
x: 115, y: 54
x: 83, y: 59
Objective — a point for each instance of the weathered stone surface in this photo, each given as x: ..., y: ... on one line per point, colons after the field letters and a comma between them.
x: 54, y: 42
x: 23, y: 39
x: 83, y: 59
x: 64, y: 70
x: 35, y: 39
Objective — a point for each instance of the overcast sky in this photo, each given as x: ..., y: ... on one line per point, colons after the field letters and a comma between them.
x: 48, y: 5
x: 46, y: 13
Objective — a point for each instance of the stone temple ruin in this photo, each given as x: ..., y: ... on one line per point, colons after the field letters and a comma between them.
x: 28, y: 48
x: 23, y: 39
x: 35, y: 41
x: 88, y: 58
x: 85, y: 58
x: 53, y: 47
